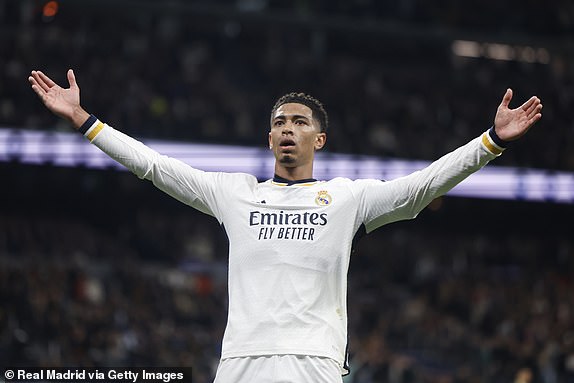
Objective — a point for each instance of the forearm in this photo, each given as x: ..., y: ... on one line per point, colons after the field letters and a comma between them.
x: 129, y: 152
x: 449, y: 170
x: 181, y: 181
x: 403, y: 198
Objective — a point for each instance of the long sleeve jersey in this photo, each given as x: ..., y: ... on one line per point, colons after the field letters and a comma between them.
x: 290, y: 242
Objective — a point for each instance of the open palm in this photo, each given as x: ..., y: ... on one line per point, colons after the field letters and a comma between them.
x: 62, y: 102
x: 511, y: 124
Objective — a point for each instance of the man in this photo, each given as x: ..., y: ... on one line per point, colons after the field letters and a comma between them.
x: 290, y: 237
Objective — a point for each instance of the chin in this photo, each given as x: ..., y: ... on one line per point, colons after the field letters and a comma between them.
x: 287, y: 160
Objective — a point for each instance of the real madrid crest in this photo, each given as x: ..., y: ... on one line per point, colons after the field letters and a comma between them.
x: 323, y: 198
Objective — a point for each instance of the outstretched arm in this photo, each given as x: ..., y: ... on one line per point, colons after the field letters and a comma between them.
x: 62, y: 102
x: 190, y: 186
x: 405, y: 197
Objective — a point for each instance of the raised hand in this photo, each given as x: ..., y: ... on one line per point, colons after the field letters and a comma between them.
x: 62, y: 102
x: 511, y: 124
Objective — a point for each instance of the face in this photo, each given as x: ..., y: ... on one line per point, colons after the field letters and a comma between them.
x: 295, y: 135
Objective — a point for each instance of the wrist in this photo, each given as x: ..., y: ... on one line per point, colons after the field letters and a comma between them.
x: 496, y: 139
x: 78, y: 117
x: 91, y: 127
x: 88, y: 124
x: 493, y: 143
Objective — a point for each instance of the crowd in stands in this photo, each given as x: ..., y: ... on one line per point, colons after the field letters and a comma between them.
x: 207, y: 78
x: 427, y: 303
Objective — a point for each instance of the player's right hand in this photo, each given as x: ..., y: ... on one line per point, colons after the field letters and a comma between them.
x: 63, y: 102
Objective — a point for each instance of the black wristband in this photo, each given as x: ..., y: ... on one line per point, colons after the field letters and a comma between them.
x: 88, y: 124
x: 497, y: 140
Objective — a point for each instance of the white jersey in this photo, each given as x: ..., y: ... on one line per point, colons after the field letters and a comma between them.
x: 290, y: 243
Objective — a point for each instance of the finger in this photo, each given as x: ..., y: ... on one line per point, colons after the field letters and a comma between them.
x: 530, y: 106
x: 39, y: 81
x: 72, y: 79
x: 46, y: 79
x: 507, y: 97
x: 37, y: 88
x: 536, y: 110
x: 534, y: 119
x: 531, y: 103
x: 39, y: 91
x: 33, y: 82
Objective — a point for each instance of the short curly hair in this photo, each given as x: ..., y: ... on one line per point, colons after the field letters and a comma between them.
x: 315, y: 105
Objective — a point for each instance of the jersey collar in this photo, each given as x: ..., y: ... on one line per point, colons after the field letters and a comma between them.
x: 277, y: 180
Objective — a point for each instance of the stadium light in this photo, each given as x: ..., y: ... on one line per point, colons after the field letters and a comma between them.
x: 504, y: 52
x: 492, y: 182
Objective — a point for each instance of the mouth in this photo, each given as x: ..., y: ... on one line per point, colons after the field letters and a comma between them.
x: 287, y: 144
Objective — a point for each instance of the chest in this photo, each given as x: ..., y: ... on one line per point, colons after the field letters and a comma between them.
x: 297, y: 213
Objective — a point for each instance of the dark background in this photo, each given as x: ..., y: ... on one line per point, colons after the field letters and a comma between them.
x: 98, y: 268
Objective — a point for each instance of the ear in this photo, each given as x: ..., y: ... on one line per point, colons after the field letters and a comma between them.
x: 270, y: 142
x: 320, y: 140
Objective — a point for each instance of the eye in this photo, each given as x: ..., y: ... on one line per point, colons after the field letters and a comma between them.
x: 301, y: 122
x: 278, y: 123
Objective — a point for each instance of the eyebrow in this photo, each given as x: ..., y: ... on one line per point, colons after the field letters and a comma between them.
x: 293, y: 116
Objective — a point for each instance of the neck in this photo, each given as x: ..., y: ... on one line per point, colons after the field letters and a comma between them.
x: 294, y: 173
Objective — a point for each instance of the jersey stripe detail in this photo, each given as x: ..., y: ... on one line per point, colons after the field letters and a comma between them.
x: 94, y: 131
x: 286, y: 184
x: 280, y: 181
x: 490, y: 145
x: 346, y: 367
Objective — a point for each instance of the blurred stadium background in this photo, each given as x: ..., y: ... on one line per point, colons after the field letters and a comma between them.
x: 97, y: 268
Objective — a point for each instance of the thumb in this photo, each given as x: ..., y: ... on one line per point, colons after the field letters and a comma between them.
x: 506, y: 99
x: 72, y: 79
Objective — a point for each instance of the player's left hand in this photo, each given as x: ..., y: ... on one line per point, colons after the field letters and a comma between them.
x: 511, y: 124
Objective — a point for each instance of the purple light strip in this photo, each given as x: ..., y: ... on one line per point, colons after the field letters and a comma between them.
x: 71, y: 149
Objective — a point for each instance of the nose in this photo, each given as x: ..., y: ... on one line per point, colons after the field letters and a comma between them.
x: 287, y: 128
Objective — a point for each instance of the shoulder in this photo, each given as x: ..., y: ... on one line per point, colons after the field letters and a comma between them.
x: 339, y: 181
x: 362, y: 186
x: 356, y: 183
x: 236, y: 179
x: 342, y: 186
x: 242, y: 177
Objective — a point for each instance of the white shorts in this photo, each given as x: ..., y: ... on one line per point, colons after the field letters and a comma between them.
x: 278, y: 369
